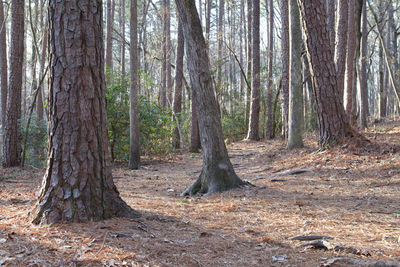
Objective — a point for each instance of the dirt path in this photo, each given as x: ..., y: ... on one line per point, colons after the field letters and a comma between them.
x: 349, y: 195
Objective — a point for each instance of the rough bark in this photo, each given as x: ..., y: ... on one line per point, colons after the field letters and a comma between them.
x: 217, y: 173
x: 270, y: 133
x: 341, y: 44
x: 134, y: 145
x: 208, y: 20
x: 331, y: 22
x: 11, y: 145
x: 296, y: 115
x: 109, y: 40
x: 255, y: 87
x: 194, y: 127
x: 364, y: 78
x: 78, y: 185
x: 333, y: 123
x: 285, y: 66
x: 177, y: 105
x: 3, y: 67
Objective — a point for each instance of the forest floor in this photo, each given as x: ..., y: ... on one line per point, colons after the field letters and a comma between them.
x: 349, y: 194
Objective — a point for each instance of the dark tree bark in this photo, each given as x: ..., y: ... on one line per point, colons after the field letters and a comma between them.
x: 180, y: 50
x: 78, y: 185
x: 341, y: 44
x: 11, y: 145
x: 109, y: 40
x: 3, y: 67
x: 364, y: 78
x: 194, y: 128
x: 134, y: 150
x: 254, y: 119
x: 296, y: 112
x: 333, y: 123
x: 217, y: 173
x: 270, y: 133
x: 285, y: 66
x: 331, y: 22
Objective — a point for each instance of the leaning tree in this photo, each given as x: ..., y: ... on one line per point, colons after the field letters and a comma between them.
x: 78, y: 185
x: 217, y: 172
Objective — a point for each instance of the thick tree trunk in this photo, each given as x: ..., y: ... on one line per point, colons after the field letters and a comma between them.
x: 194, y: 128
x: 364, y: 78
x: 254, y: 119
x: 217, y: 173
x: 3, y: 68
x: 11, y: 145
x: 270, y: 122
x: 341, y: 44
x: 134, y: 151
x: 180, y: 50
x: 296, y: 111
x: 109, y: 41
x: 78, y: 185
x: 285, y: 66
x: 333, y: 123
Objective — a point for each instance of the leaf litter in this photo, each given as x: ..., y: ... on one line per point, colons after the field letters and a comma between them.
x: 350, y: 194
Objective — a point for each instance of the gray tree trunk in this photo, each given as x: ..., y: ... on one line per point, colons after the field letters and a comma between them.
x: 270, y: 133
x: 3, y: 67
x: 78, y: 185
x: 180, y: 50
x: 11, y: 144
x: 123, y: 46
x: 254, y: 119
x: 296, y: 111
x: 217, y: 173
x: 249, y: 56
x: 350, y: 61
x: 364, y: 78
x: 134, y: 150
x: 109, y: 41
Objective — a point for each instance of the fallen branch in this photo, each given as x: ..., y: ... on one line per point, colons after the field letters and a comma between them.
x: 360, y: 262
x: 310, y: 237
x: 293, y: 172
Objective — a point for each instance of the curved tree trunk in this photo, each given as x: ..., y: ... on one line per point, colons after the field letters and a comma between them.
x: 217, y: 173
x: 134, y: 149
x: 254, y: 118
x: 333, y: 122
x: 78, y: 185
x: 11, y: 145
x: 296, y: 111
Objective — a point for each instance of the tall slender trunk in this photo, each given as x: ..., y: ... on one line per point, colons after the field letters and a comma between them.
x: 208, y: 21
x: 249, y: 56
x: 364, y: 78
x: 40, y: 105
x: 285, y: 66
x: 221, y: 12
x: 123, y: 45
x: 3, y: 67
x: 270, y: 123
x: 296, y: 115
x: 168, y: 77
x: 351, y: 49
x: 134, y: 151
x: 11, y: 144
x: 180, y: 50
x: 341, y: 44
x: 109, y: 41
x: 255, y: 91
